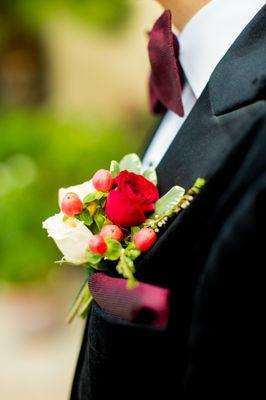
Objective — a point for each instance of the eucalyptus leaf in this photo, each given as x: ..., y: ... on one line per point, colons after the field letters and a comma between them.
x: 114, y: 169
x: 151, y: 175
x: 168, y: 202
x: 131, y: 163
x: 114, y: 250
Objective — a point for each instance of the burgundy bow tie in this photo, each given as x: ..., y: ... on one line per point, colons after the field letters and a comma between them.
x: 166, y: 74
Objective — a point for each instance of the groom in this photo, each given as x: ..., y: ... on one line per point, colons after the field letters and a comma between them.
x: 210, y: 85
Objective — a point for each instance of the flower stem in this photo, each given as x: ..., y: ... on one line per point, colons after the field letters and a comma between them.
x: 78, y: 301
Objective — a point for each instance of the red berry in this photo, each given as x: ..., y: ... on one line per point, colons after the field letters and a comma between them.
x: 145, y: 239
x: 98, y: 245
x: 103, y: 180
x: 112, y: 232
x: 71, y: 204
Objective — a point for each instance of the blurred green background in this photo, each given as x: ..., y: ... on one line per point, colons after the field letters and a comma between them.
x: 43, y: 149
x: 39, y: 154
x: 73, y: 83
x: 104, y: 14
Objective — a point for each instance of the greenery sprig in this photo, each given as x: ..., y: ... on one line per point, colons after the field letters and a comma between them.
x: 120, y: 256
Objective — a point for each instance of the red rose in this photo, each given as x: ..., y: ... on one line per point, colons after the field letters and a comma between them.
x: 133, y: 197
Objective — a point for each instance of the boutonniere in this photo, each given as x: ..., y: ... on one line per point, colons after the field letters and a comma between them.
x: 106, y: 223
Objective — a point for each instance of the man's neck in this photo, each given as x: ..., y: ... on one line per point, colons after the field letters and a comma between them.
x: 183, y: 10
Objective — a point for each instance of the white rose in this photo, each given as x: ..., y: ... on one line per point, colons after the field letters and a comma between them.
x: 71, y: 237
x: 81, y: 190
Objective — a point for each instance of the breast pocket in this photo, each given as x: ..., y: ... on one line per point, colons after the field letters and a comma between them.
x: 125, y: 360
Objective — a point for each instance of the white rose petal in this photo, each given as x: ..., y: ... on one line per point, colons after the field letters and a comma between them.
x: 71, y: 237
x: 81, y: 190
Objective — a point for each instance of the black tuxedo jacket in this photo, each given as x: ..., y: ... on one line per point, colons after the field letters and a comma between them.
x: 211, y: 256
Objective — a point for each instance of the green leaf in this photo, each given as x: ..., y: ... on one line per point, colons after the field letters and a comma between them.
x: 114, y: 249
x: 93, y: 196
x: 134, y: 230
x: 86, y: 217
x: 132, y: 163
x: 168, y: 202
x: 126, y: 268
x: 99, y: 220
x: 89, y: 198
x: 132, y: 252
x: 99, y: 195
x: 103, y: 203
x: 114, y: 169
x: 93, y: 258
x: 151, y: 175
x: 200, y: 182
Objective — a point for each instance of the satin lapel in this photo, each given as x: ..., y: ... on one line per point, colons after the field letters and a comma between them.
x: 196, y: 151
x: 204, y: 142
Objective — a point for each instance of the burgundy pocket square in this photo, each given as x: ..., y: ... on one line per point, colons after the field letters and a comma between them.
x: 144, y: 303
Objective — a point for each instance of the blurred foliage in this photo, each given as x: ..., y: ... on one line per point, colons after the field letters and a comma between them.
x: 106, y: 14
x: 39, y: 154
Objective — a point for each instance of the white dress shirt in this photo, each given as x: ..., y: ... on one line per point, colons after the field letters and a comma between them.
x: 203, y: 43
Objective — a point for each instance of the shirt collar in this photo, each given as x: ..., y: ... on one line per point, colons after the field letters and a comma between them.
x: 209, y: 34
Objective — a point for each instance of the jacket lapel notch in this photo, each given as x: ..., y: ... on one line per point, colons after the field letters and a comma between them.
x: 237, y: 81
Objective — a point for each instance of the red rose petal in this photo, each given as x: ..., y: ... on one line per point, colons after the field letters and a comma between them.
x: 122, y: 211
